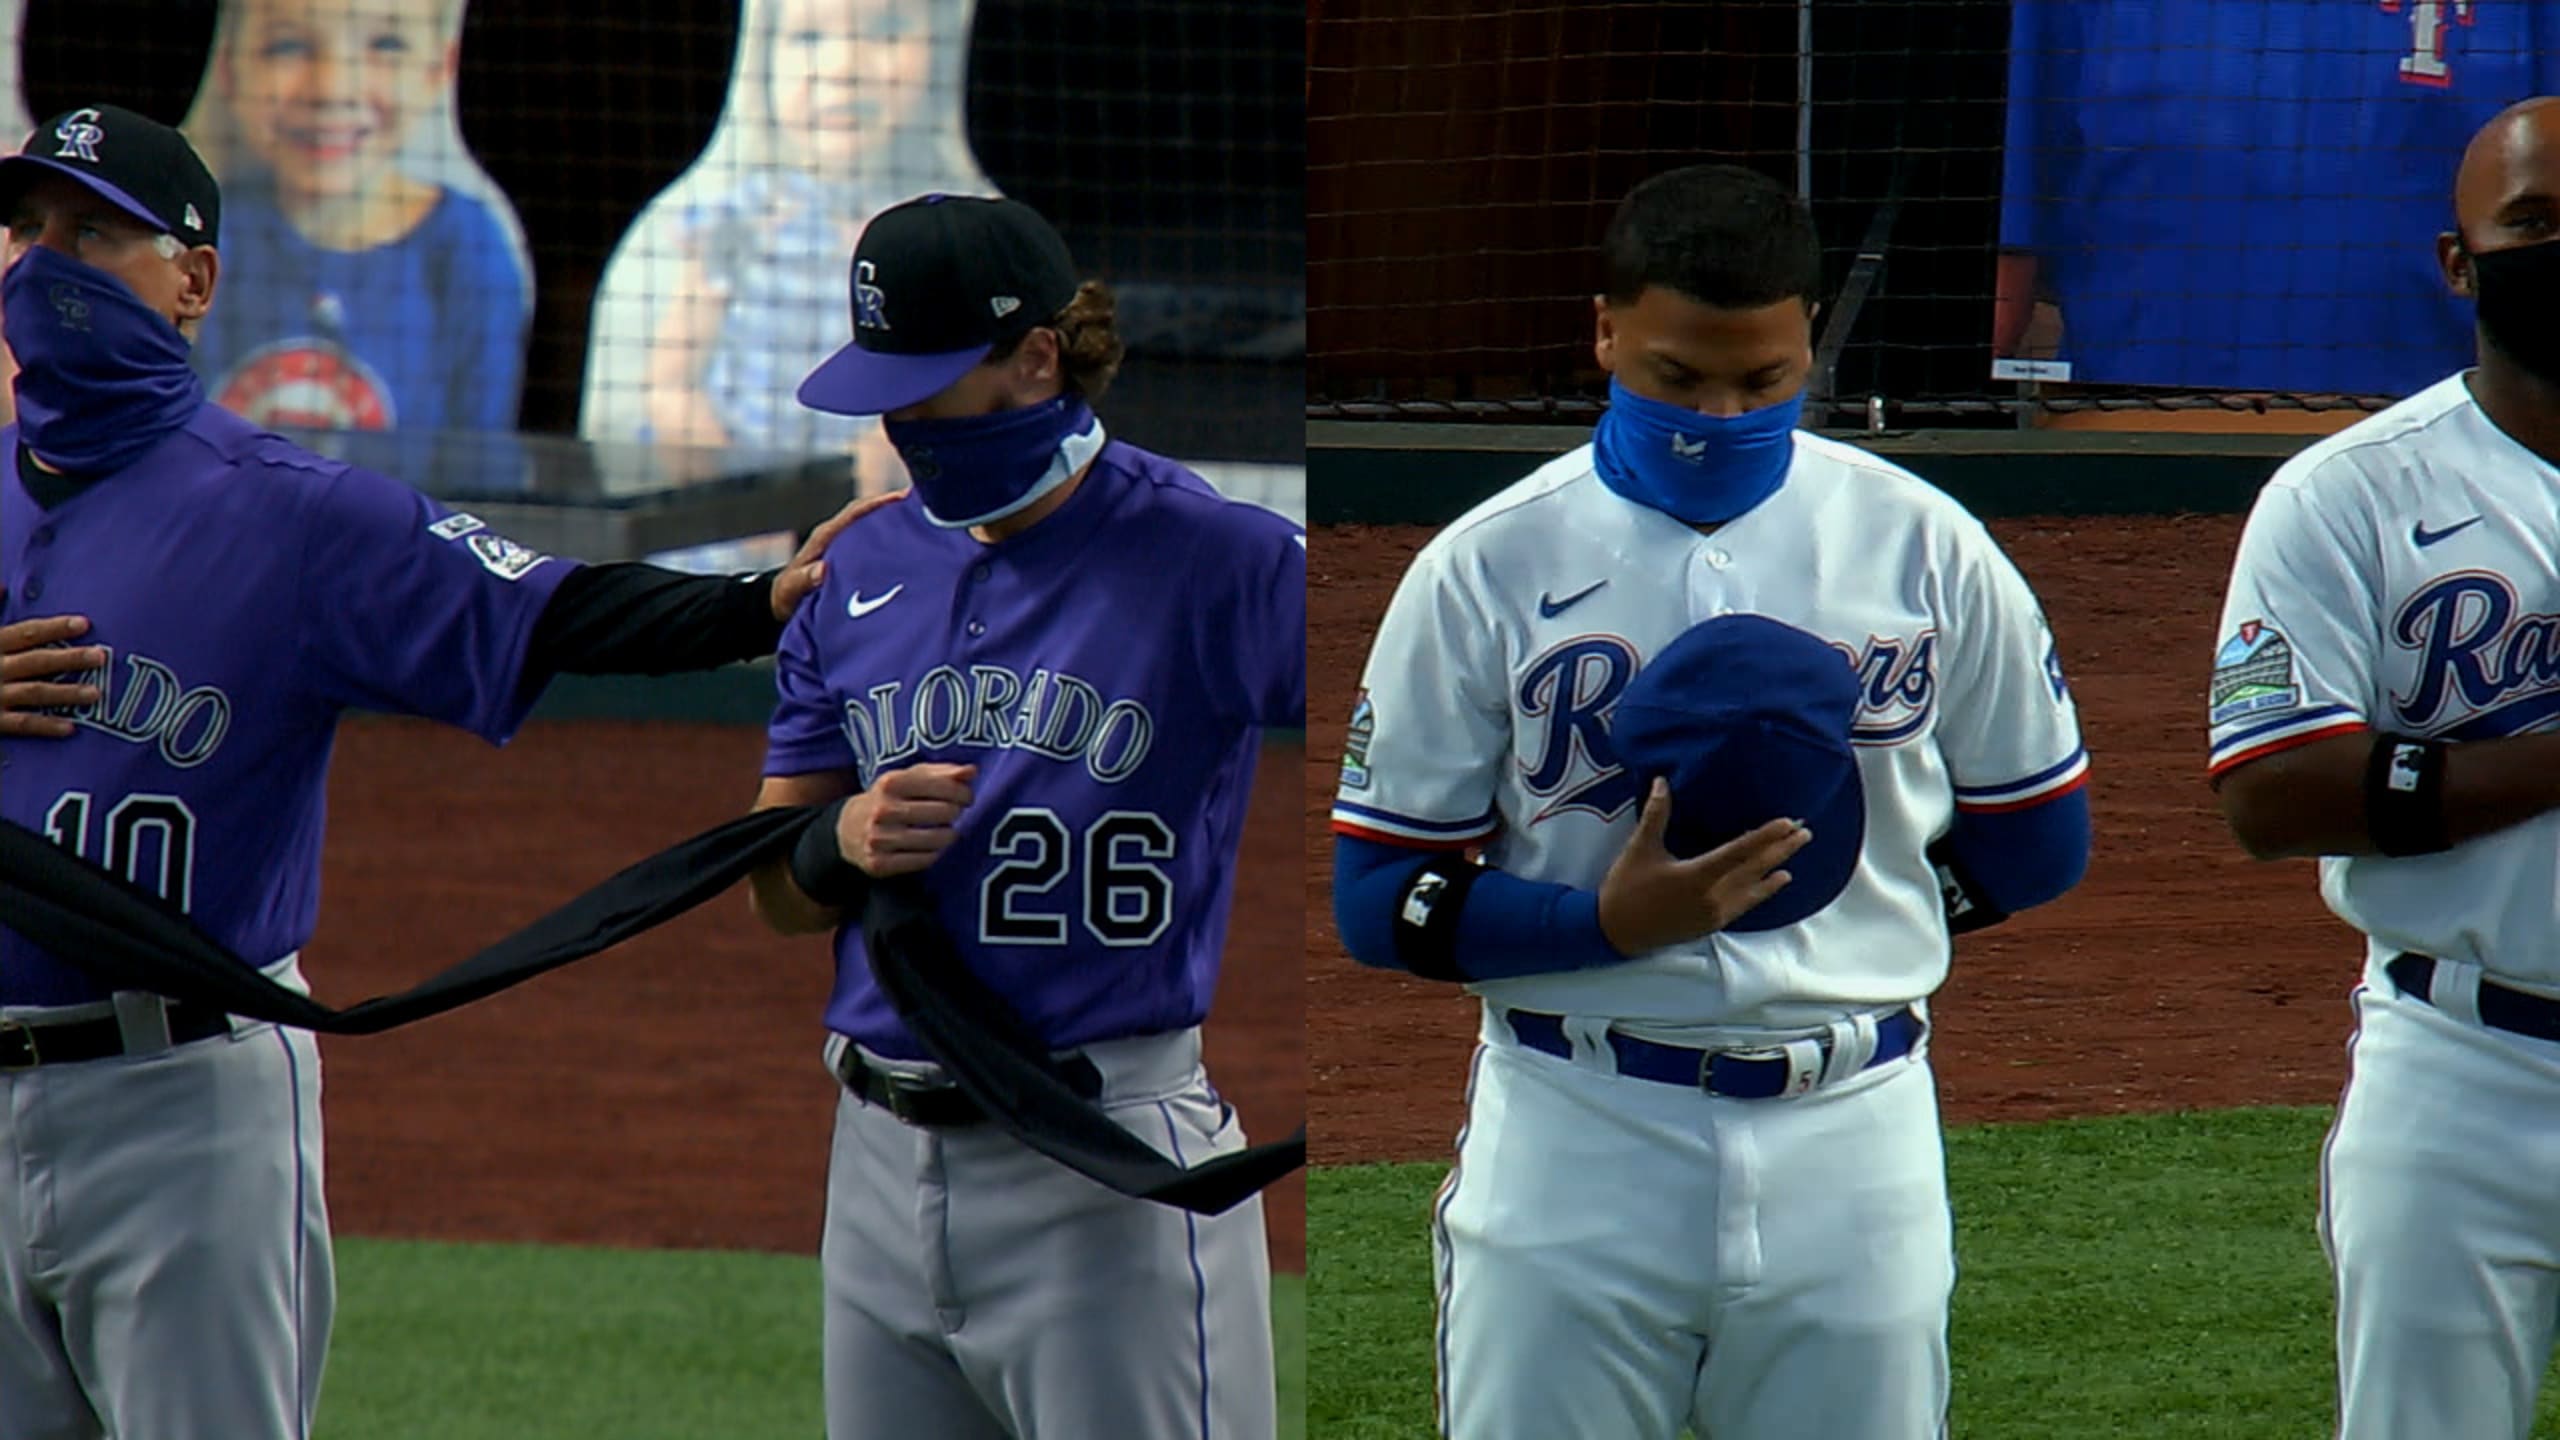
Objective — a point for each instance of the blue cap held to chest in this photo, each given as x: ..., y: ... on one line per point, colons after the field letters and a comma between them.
x: 1749, y: 719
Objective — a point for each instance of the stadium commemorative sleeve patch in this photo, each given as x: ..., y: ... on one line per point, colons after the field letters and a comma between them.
x: 496, y: 553
x: 1355, y: 744
x: 2253, y: 675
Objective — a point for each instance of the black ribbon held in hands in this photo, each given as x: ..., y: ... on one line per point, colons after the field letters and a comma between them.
x: 979, y: 1040
x: 130, y: 939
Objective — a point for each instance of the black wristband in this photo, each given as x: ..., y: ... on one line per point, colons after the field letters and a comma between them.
x: 1427, y: 910
x: 818, y: 866
x: 2404, y: 796
x: 1960, y: 894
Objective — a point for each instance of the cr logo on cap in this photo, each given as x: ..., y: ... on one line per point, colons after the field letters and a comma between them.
x: 79, y: 133
x: 871, y: 307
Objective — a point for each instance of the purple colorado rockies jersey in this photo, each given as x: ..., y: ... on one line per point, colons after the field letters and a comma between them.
x: 247, y: 592
x: 1108, y: 671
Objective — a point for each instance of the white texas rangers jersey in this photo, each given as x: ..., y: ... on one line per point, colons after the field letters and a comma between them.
x: 1483, y: 718
x: 2404, y: 575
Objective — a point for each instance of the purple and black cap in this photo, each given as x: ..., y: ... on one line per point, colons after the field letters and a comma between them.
x: 938, y: 283
x: 1750, y: 719
x: 142, y: 167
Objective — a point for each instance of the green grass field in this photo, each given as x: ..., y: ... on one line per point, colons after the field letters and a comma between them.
x: 501, y: 1342
x: 2146, y: 1276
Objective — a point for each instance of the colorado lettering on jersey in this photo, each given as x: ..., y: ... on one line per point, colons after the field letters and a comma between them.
x: 151, y: 706
x: 2475, y: 650
x: 1898, y: 687
x: 1049, y: 713
x: 1568, y: 691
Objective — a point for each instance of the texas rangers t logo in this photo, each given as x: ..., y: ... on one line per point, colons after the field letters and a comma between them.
x: 871, y: 307
x: 79, y: 133
x: 2425, y: 64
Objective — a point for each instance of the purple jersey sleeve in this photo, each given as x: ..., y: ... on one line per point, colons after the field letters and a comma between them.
x: 1250, y: 628
x: 410, y: 609
x: 805, y: 735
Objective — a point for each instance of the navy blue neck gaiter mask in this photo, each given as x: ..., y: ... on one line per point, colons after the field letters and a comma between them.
x: 102, y: 377
x: 979, y: 468
x: 1704, y: 469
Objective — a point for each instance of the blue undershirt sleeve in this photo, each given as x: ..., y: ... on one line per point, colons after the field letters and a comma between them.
x: 2022, y: 858
x: 1510, y: 927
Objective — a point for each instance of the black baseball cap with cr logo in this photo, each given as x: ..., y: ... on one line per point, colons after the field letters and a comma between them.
x: 938, y: 283
x: 142, y: 167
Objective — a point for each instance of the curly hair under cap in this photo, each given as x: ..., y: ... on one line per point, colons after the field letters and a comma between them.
x: 1089, y: 345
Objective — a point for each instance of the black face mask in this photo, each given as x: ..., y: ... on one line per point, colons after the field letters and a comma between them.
x: 2518, y: 293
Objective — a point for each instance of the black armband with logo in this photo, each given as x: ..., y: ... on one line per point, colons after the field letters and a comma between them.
x: 818, y: 865
x: 1960, y: 893
x: 1427, y: 910
x: 2404, y: 796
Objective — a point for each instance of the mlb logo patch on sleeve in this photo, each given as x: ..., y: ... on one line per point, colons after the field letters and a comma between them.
x: 454, y: 527
x: 503, y: 557
x: 2252, y: 674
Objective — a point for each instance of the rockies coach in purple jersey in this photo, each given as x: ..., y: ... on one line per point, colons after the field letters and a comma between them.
x: 1040, y: 687
x: 164, y: 1246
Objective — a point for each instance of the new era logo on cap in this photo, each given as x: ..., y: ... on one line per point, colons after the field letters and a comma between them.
x: 1005, y: 305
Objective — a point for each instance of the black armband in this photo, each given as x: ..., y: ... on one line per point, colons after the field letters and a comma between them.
x: 818, y: 865
x: 1966, y: 910
x: 1427, y: 911
x: 2404, y: 796
x: 629, y: 618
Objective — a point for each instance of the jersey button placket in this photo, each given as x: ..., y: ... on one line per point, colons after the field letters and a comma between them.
x: 979, y: 574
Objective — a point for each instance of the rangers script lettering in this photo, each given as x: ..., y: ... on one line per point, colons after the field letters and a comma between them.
x: 2474, y: 648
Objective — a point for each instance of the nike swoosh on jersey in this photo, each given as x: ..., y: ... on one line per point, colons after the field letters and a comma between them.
x: 1550, y: 607
x: 857, y: 607
x: 2426, y: 537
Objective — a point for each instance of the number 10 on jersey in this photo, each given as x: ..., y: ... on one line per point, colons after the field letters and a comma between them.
x: 149, y: 840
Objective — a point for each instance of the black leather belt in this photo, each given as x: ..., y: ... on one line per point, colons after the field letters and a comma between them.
x: 2501, y: 1008
x: 937, y: 1105
x: 1736, y: 1075
x: 66, y: 1042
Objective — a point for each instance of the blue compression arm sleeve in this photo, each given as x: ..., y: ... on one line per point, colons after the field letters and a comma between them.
x: 2019, y: 858
x: 1510, y: 927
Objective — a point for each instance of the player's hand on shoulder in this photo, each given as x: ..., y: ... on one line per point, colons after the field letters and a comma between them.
x: 906, y: 819
x: 1651, y: 898
x: 799, y: 579
x: 32, y: 652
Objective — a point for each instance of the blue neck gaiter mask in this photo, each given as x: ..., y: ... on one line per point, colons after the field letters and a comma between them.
x: 1704, y: 469
x: 102, y: 377
x: 981, y: 468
